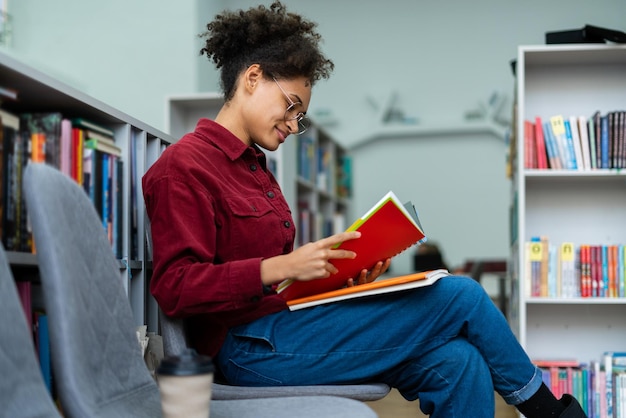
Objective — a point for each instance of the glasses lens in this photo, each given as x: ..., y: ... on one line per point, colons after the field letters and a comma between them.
x: 292, y: 114
x: 303, y: 124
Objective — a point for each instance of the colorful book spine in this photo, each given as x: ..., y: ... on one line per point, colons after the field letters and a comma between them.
x: 568, y: 160
x: 604, y: 142
x: 552, y: 148
x: 542, y: 157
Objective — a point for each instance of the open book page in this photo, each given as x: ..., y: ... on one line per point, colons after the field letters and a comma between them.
x: 394, y: 284
x: 387, y: 229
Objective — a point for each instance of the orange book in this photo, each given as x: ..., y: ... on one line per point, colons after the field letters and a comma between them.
x: 38, y: 147
x: 387, y: 229
x: 394, y: 284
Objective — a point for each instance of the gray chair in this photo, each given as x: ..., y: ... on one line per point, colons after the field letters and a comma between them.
x: 174, y: 341
x: 23, y: 393
x: 99, y: 369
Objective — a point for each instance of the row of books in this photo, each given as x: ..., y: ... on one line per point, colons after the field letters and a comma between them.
x: 38, y: 319
x: 599, y: 386
x: 569, y: 271
x: 314, y: 225
x: 576, y: 142
x: 84, y: 151
x: 315, y: 164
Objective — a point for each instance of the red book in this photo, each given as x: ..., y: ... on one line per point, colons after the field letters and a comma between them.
x: 542, y: 159
x: 585, y: 271
x: 77, y: 155
x: 530, y: 147
x: 386, y: 230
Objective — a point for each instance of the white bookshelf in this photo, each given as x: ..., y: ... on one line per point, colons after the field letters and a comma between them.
x: 38, y: 92
x: 583, y: 207
x: 182, y: 113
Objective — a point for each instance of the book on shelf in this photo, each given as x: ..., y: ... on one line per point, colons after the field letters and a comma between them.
x: 583, y: 134
x: 86, y: 124
x: 567, y: 270
x: 542, y: 157
x: 66, y: 147
x: 24, y: 291
x: 585, y: 271
x: 102, y: 145
x: 565, y: 145
x: 44, y: 131
x: 605, y: 161
x: 556, y: 362
x: 78, y: 145
x: 576, y: 142
x: 530, y: 146
x: 387, y: 229
x: 377, y: 287
x: 552, y: 147
x: 9, y: 126
x: 573, y: 138
x: 42, y: 342
x: 66, y: 144
x: 344, y: 176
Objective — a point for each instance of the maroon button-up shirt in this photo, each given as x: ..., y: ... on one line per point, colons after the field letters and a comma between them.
x: 216, y: 211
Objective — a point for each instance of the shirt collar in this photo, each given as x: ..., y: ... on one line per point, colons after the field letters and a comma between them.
x: 223, y: 139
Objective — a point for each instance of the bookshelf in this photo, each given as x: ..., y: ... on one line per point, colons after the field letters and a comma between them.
x: 139, y: 144
x: 565, y: 205
x: 312, y: 169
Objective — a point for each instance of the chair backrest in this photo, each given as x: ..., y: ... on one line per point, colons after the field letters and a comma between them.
x: 23, y: 393
x: 94, y: 346
x: 172, y: 329
x: 173, y: 333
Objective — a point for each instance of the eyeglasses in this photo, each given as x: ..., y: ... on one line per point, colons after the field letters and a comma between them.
x: 292, y: 114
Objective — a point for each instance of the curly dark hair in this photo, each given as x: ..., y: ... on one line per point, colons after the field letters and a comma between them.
x: 284, y: 44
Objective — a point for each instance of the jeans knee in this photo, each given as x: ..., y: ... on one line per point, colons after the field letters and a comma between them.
x: 465, y: 358
x: 462, y: 286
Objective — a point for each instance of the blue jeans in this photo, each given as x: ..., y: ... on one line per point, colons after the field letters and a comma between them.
x: 446, y: 344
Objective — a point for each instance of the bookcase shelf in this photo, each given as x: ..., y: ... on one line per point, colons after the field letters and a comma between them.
x: 581, y: 207
x: 38, y: 92
x: 312, y: 169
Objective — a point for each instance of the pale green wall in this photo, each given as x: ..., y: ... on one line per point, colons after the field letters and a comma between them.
x: 128, y: 53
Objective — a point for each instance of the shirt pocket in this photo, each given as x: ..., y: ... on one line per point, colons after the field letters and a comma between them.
x: 248, y: 207
x: 251, y: 229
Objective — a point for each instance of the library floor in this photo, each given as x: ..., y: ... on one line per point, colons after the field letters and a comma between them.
x: 395, y: 406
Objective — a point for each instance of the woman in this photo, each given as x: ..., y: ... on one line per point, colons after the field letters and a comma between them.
x: 223, y: 238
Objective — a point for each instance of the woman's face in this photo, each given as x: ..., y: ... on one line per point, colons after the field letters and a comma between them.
x: 267, y: 123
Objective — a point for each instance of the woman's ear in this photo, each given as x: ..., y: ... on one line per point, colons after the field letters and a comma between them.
x: 252, y: 77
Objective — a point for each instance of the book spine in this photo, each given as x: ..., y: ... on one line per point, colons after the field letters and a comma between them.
x: 572, y: 148
x: 558, y: 131
x: 542, y: 159
x: 604, y: 135
x: 551, y: 147
x: 584, y: 141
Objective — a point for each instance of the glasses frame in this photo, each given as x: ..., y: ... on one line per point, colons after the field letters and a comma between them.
x: 304, y: 123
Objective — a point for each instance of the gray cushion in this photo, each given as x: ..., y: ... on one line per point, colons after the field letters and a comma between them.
x: 301, y: 407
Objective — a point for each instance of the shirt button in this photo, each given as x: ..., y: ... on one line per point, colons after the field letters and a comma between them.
x: 253, y: 167
x: 270, y: 195
x: 287, y: 224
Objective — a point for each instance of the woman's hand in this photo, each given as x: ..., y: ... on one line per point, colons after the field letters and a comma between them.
x: 311, y: 261
x: 308, y: 262
x: 369, y: 276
